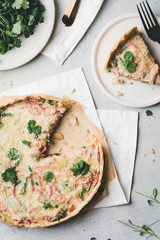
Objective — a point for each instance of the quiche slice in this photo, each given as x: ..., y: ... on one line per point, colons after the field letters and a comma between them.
x: 45, y: 193
x: 26, y: 124
x: 131, y: 58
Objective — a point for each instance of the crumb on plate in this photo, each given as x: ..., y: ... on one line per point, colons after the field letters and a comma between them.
x: 152, y: 151
x: 119, y: 94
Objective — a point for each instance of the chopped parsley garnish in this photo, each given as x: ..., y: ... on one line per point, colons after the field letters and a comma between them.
x: 30, y: 171
x: 2, y: 110
x: 48, y: 176
x: 13, y: 154
x: 51, y: 126
x: 26, y: 143
x: 60, y: 215
x: 56, y: 206
x: 46, y: 204
x: 56, y: 154
x: 80, y: 168
x: 36, y: 183
x: 129, y: 64
x: 33, y: 129
x: 1, y: 125
x: 81, y: 196
x: 9, y: 175
x: 149, y: 113
x: 48, y: 140
x: 122, y: 48
x: 52, y: 103
x: 24, y: 185
x: 66, y: 185
x: 18, y: 17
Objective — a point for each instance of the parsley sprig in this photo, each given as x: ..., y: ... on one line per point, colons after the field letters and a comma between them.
x: 46, y: 204
x: 10, y: 175
x: 128, y: 61
x: 13, y: 154
x: 61, y: 214
x: 80, y: 168
x: 25, y: 142
x: 149, y: 113
x: 48, y: 176
x: 17, y: 18
x: 33, y: 128
x: 2, y: 110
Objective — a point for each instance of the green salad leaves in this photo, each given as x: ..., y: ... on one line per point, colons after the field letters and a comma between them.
x: 18, y: 18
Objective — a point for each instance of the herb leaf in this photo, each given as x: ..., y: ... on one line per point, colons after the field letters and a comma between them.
x: 60, y: 215
x: 52, y: 103
x: 81, y: 196
x: 149, y: 113
x: 26, y: 143
x: 48, y: 140
x: 128, y: 56
x: 129, y: 64
x: 1, y: 125
x: 20, y: 3
x: 142, y: 230
x: 151, y: 199
x: 24, y: 185
x: 131, y: 67
x: 18, y: 17
x: 155, y: 193
x: 80, y: 168
x: 2, y: 111
x: 9, y: 175
x: 46, y: 204
x: 32, y: 128
x: 48, y: 176
x: 13, y: 154
x: 66, y: 185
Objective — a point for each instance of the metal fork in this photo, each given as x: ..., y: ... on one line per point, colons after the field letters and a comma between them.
x: 149, y: 21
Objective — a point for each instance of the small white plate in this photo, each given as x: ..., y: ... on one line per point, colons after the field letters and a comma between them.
x: 33, y: 45
x: 137, y: 94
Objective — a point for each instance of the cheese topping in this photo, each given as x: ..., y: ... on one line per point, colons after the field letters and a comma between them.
x: 35, y: 190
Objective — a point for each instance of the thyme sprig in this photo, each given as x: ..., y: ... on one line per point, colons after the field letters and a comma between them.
x: 144, y: 230
x: 151, y: 199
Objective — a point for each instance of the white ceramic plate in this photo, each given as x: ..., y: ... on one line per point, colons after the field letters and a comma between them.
x: 138, y: 94
x: 33, y: 45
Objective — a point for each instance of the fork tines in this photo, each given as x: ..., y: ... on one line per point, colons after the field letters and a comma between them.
x: 148, y: 19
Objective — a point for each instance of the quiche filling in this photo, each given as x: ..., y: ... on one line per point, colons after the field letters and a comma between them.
x: 28, y: 124
x: 131, y: 58
x: 37, y: 188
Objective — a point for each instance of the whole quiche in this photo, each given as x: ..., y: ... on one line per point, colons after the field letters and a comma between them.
x: 38, y: 189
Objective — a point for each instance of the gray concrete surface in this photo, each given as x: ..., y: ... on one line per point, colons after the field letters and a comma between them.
x: 99, y: 223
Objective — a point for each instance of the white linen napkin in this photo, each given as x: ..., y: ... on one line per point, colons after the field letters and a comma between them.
x: 64, y: 39
x: 119, y: 127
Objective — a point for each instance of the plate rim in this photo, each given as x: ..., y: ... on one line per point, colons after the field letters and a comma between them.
x: 38, y: 51
x: 94, y: 66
